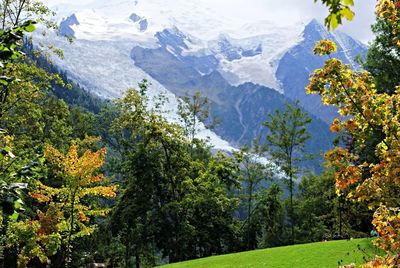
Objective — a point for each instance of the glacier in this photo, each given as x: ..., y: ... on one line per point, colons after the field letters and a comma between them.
x: 104, y: 21
x: 247, y: 67
x: 106, y: 32
x: 107, y: 71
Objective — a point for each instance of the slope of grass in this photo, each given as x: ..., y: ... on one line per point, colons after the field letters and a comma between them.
x: 321, y: 254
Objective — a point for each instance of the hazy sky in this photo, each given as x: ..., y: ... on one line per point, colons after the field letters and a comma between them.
x: 289, y: 11
x: 282, y: 11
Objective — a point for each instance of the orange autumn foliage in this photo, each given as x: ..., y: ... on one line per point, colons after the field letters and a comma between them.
x: 364, y: 112
x: 69, y: 214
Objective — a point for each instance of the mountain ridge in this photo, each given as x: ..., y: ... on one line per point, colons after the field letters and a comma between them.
x: 245, y: 76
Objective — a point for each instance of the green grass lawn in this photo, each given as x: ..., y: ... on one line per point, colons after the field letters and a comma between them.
x: 321, y: 254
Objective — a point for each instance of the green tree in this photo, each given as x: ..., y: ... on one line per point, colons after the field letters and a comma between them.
x: 272, y: 215
x: 11, y: 166
x: 176, y: 200
x: 17, y: 12
x: 254, y: 176
x: 383, y: 58
x: 318, y: 208
x: 194, y: 112
x: 285, y: 143
x: 322, y: 214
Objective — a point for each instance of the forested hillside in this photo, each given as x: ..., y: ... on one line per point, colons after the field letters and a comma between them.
x: 86, y: 180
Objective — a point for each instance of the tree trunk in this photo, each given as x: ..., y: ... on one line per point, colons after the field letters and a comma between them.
x: 340, y: 216
x: 291, y: 209
x: 68, y: 258
x: 137, y: 260
x: 249, y: 221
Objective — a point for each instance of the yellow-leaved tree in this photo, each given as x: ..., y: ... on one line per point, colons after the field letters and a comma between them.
x: 369, y: 169
x: 69, y: 207
x: 365, y: 114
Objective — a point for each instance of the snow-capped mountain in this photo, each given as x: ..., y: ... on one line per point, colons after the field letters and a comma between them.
x: 247, y: 51
x: 296, y: 64
x: 246, y: 68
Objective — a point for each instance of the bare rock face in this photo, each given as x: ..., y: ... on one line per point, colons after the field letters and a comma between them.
x: 296, y: 64
x: 65, y: 26
x: 135, y: 17
x: 143, y: 24
x: 141, y: 21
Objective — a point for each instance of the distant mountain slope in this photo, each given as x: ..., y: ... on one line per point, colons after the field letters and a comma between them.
x: 247, y: 69
x: 296, y: 65
x: 242, y: 109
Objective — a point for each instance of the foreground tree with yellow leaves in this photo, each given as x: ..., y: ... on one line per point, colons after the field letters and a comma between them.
x: 371, y: 119
x: 365, y: 114
x: 68, y: 208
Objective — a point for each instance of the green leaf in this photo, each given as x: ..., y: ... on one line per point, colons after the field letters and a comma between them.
x: 30, y: 28
x: 18, y: 204
x: 14, y: 216
x: 7, y: 151
x: 3, y: 82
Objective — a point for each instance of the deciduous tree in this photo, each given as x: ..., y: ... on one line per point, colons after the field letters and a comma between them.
x: 364, y: 111
x: 67, y: 209
x: 285, y: 142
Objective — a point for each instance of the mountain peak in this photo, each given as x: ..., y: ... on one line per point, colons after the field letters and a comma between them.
x: 315, y: 30
x: 315, y: 24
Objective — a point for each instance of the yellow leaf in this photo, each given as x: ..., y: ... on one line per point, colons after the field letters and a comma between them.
x: 348, y: 2
x: 347, y: 13
x: 332, y: 21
